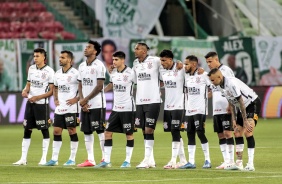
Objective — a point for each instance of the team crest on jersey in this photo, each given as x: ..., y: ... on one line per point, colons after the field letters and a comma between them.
x: 92, y: 71
x: 198, y: 79
x: 165, y: 125
x: 137, y: 121
x: 150, y: 65
x: 69, y: 78
x: 125, y: 78
x: 175, y: 73
x: 43, y: 76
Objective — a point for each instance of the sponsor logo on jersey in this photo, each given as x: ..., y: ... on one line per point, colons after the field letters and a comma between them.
x: 119, y: 88
x: 119, y: 107
x: 87, y: 82
x: 64, y: 88
x: 36, y: 84
x: 193, y: 91
x: 170, y: 84
x: 170, y: 106
x: 144, y: 76
x: 62, y: 110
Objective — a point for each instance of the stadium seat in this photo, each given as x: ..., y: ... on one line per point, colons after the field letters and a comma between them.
x: 30, y: 34
x: 48, y: 35
x: 67, y: 36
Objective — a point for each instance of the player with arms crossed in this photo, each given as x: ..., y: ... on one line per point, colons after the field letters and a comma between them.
x: 122, y: 117
x: 221, y: 118
x: 196, y: 111
x: 67, y: 108
x: 92, y: 100
x: 38, y: 88
x: 173, y: 80
x: 239, y: 95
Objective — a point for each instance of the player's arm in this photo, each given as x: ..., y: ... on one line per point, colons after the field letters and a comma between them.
x: 45, y: 95
x: 109, y: 87
x: 55, y: 94
x: 179, y: 65
x: 26, y: 89
x: 98, y: 88
x: 242, y: 107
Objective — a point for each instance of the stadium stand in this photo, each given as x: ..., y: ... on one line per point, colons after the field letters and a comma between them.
x: 30, y: 19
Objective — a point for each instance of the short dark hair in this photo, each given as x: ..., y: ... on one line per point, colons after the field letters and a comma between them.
x: 69, y: 53
x: 96, y: 45
x: 119, y: 54
x: 109, y: 42
x: 211, y: 54
x: 166, y: 53
x: 144, y: 44
x: 42, y: 51
x: 192, y: 58
x: 213, y: 71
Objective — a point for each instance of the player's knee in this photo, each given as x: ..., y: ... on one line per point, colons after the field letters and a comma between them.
x: 227, y: 134
x: 74, y: 137
x: 108, y: 135
x: 251, y: 142
x: 202, y: 136
x: 45, y: 133
x: 220, y: 135
x: 175, y: 135
x: 71, y: 130
x: 27, y: 133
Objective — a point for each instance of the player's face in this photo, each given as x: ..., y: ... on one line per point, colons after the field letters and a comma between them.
x: 64, y: 60
x: 118, y: 62
x: 215, y: 79
x: 38, y: 58
x: 89, y: 50
x: 212, y: 62
x: 139, y: 50
x: 188, y: 65
x: 166, y: 62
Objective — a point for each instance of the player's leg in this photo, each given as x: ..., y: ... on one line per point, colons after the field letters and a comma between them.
x: 200, y: 129
x: 29, y: 123
x: 140, y: 123
x: 167, y: 128
x: 100, y: 130
x: 86, y: 128
x: 239, y: 140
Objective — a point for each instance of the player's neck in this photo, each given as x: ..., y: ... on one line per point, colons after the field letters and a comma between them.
x: 121, y: 68
x: 142, y: 58
x: 40, y: 65
x: 193, y: 71
x: 90, y: 59
x: 66, y: 68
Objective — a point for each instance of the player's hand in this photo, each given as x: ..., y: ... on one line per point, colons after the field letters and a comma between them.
x: 33, y: 99
x: 85, y: 108
x: 235, y: 126
x: 111, y: 68
x: 83, y: 102
x: 179, y: 65
x: 200, y: 70
x: 24, y: 94
x: 248, y: 126
x: 72, y: 101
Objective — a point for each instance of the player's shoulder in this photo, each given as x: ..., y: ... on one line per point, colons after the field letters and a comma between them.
x: 73, y: 71
x: 48, y: 69
x: 98, y: 62
x: 153, y: 59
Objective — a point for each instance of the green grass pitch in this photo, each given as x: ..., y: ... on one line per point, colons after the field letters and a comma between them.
x: 268, y: 159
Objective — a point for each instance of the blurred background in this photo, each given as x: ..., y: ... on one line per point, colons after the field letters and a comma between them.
x: 246, y: 34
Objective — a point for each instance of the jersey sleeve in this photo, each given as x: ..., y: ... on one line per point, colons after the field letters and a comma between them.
x: 55, y: 81
x: 234, y: 88
x: 101, y: 72
x: 51, y: 77
x: 28, y: 74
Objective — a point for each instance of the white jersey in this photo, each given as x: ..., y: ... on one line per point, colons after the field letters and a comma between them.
x: 220, y: 103
x: 197, y: 93
x: 39, y: 81
x: 88, y: 76
x: 233, y: 88
x: 67, y: 85
x: 173, y: 80
x: 147, y: 79
x: 123, y: 89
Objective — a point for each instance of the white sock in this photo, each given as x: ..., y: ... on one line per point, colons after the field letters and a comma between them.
x: 206, y: 150
x: 45, y: 146
x: 231, y: 152
x: 89, y: 141
x: 191, y: 152
x: 174, y: 151
x: 251, y: 155
x: 223, y: 148
x: 148, y: 149
x: 25, y: 147
x: 102, y: 142
x: 239, y: 148
x: 108, y: 152
x: 181, y: 152
x: 73, y: 148
x: 56, y: 150
x: 128, y: 151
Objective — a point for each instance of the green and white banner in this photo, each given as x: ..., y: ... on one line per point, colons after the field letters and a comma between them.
x: 237, y: 53
x: 9, y: 76
x: 184, y: 47
x: 128, y: 19
x: 269, y: 57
